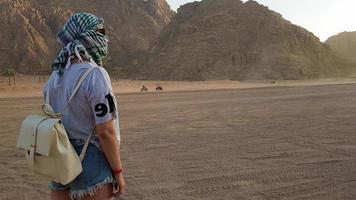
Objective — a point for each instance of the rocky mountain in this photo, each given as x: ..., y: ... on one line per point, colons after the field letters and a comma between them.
x: 229, y: 39
x: 27, y: 39
x: 344, y: 45
x: 211, y: 39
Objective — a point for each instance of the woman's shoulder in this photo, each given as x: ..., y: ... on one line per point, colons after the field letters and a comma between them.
x: 98, y: 76
x: 87, y: 65
x: 81, y: 65
x: 98, y: 72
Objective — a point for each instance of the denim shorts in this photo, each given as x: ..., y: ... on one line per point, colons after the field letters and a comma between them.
x: 96, y: 173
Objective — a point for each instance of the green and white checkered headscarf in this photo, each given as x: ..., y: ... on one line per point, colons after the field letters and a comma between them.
x: 80, y: 38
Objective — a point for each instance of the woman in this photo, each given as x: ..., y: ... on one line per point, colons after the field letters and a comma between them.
x: 92, y: 108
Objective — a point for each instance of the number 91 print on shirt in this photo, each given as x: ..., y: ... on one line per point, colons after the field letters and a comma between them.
x: 100, y: 96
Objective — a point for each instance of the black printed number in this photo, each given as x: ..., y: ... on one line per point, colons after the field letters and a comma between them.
x: 111, y: 103
x: 101, y: 109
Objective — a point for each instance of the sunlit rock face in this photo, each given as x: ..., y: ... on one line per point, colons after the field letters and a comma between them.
x: 344, y: 45
x: 229, y: 39
x: 28, y: 43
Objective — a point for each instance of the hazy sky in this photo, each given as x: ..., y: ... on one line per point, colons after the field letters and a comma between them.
x: 322, y: 17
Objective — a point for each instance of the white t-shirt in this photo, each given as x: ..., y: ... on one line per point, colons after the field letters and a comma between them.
x: 94, y: 103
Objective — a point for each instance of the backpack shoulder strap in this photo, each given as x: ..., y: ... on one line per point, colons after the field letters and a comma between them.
x: 79, y: 83
x: 76, y: 88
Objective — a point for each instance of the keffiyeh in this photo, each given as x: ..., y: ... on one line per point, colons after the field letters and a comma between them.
x: 80, y: 38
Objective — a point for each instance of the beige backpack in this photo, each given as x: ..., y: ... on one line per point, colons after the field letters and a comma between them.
x: 46, y: 144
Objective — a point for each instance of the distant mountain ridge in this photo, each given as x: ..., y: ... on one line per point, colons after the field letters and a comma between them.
x: 344, y: 45
x: 29, y: 41
x: 229, y: 39
x: 207, y: 40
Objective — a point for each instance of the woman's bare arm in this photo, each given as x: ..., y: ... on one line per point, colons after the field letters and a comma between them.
x: 111, y: 148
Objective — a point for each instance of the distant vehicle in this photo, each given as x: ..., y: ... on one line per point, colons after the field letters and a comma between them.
x: 144, y: 88
x: 159, y: 88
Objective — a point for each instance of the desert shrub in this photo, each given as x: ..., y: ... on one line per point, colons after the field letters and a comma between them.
x: 10, y: 72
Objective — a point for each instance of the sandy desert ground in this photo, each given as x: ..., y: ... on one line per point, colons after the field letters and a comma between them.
x: 275, y: 143
x: 31, y: 86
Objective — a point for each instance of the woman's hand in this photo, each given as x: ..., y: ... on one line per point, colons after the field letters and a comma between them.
x: 121, y: 185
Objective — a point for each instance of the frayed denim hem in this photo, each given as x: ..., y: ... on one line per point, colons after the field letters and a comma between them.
x: 56, y: 187
x: 91, y: 191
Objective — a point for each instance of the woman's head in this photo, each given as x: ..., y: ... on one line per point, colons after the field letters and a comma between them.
x: 82, y: 36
